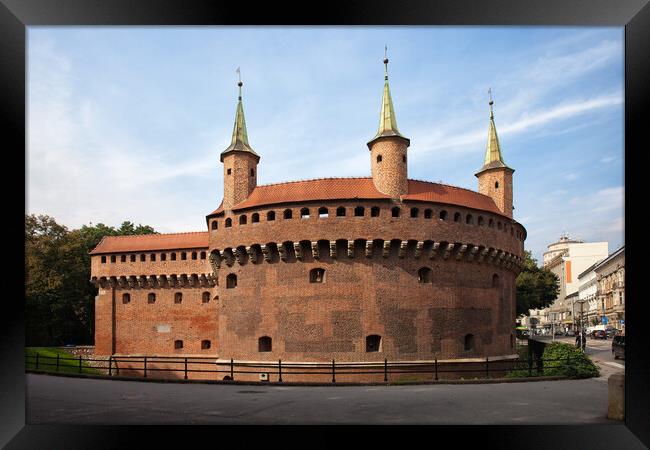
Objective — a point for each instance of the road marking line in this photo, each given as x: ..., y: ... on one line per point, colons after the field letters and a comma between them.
x: 613, y: 364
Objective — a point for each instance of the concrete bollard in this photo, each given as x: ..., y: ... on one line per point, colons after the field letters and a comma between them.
x: 616, y: 396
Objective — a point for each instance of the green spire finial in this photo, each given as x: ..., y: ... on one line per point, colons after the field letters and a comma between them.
x: 387, y: 120
x: 239, y: 140
x: 493, y: 156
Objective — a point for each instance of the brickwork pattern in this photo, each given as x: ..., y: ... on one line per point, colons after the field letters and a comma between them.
x: 239, y: 184
x: 502, y: 195
x: 390, y: 175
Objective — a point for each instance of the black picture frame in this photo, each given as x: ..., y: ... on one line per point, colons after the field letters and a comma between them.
x: 16, y: 15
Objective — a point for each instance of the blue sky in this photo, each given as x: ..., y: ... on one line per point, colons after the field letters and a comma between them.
x: 127, y: 123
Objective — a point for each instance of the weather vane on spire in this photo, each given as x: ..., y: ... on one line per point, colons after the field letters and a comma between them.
x: 491, y: 101
x: 386, y: 62
x: 239, y: 83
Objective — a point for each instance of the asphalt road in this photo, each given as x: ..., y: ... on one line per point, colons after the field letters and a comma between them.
x: 62, y: 400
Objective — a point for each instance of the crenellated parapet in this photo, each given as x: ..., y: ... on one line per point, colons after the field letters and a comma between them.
x: 194, y: 280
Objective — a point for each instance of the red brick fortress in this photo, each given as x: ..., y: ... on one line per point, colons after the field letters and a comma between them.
x: 351, y: 269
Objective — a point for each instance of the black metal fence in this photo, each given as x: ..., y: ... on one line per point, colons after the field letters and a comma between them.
x: 211, y: 369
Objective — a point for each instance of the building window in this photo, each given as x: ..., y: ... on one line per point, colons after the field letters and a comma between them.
x: 469, y: 342
x: 242, y: 219
x: 255, y: 218
x: 496, y: 185
x: 123, y: 258
x: 231, y: 281
x: 270, y: 216
x: 287, y: 214
x: 443, y: 215
x: 359, y: 211
x: 151, y: 298
x: 481, y: 222
x: 374, y: 211
x: 340, y: 211
x: 499, y: 225
x: 126, y: 298
x: 323, y: 213
x: 132, y: 258
x: 425, y: 275
x: 264, y: 344
x: 304, y: 213
x: 203, y: 255
x: 194, y: 255
x: 183, y: 256
x: 112, y: 258
x: 205, y: 344
x: 163, y: 256
x: 378, y: 158
x: 415, y: 212
x: 205, y: 297
x: 428, y: 213
x: 469, y: 220
x: 172, y: 256
x: 103, y: 259
x: 229, y: 171
x: 228, y: 222
x: 491, y: 223
x: 178, y: 297
x: 373, y: 343
x: 252, y: 172
x: 403, y: 158
x: 152, y: 257
x: 495, y: 281
x: 215, y: 224
x: 317, y: 275
x: 178, y: 344
x: 457, y: 217
x: 395, y: 211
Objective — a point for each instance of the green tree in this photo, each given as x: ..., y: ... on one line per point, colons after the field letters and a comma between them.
x: 536, y: 287
x: 59, y: 298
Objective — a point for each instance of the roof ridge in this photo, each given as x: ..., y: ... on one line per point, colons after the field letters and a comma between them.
x: 151, y: 234
x: 448, y: 185
x: 314, y: 179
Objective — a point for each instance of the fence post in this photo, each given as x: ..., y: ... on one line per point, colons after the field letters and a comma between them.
x: 385, y: 369
x: 435, y: 363
x: 110, y: 365
x: 232, y: 371
x: 117, y: 368
x: 79, y: 363
x: 145, y: 367
x: 57, y: 362
x: 186, y: 368
x: 36, y: 360
x: 333, y: 372
x: 280, y: 370
x: 487, y: 367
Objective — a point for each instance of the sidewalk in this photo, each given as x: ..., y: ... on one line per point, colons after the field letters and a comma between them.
x: 61, y: 400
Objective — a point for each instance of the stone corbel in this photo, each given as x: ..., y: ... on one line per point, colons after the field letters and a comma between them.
x: 350, y: 249
x: 472, y: 253
x: 297, y: 248
x: 315, y: 251
x: 402, y: 249
x: 283, y: 252
x: 266, y: 251
x: 418, y: 249
x: 240, y: 255
x: 252, y: 254
x: 461, y: 252
x: 182, y: 280
x: 229, y: 256
x: 203, y: 280
x: 142, y: 281
x: 333, y: 249
x: 152, y: 280
x: 369, y: 245
x: 434, y: 250
x: 386, y: 249
x: 162, y: 280
x: 122, y: 281
x: 483, y: 254
x: 215, y: 260
x: 448, y: 250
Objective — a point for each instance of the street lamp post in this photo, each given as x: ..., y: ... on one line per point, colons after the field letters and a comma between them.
x: 582, y: 302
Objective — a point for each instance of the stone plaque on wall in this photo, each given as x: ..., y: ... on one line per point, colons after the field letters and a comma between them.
x: 164, y: 328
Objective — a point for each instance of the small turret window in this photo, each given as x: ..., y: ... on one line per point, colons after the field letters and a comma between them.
x: 252, y: 172
x: 496, y: 185
x: 215, y: 224
x: 403, y: 158
x: 229, y: 171
x: 378, y: 158
x: 228, y: 222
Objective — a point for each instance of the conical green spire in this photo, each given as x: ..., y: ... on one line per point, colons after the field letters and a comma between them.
x: 387, y: 119
x: 493, y: 156
x: 239, y: 142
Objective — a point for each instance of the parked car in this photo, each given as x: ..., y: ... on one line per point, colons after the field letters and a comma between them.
x: 559, y: 333
x: 570, y: 333
x: 599, y: 334
x: 611, y: 332
x: 618, y: 346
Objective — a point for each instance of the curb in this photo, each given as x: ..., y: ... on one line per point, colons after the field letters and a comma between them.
x: 295, y: 383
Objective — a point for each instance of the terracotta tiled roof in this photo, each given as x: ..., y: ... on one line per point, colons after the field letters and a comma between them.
x: 172, y: 241
x: 361, y: 188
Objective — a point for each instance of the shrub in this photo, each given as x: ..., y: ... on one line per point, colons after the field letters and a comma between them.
x: 555, y: 361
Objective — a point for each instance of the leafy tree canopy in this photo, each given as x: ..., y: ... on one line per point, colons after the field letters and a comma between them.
x: 536, y: 287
